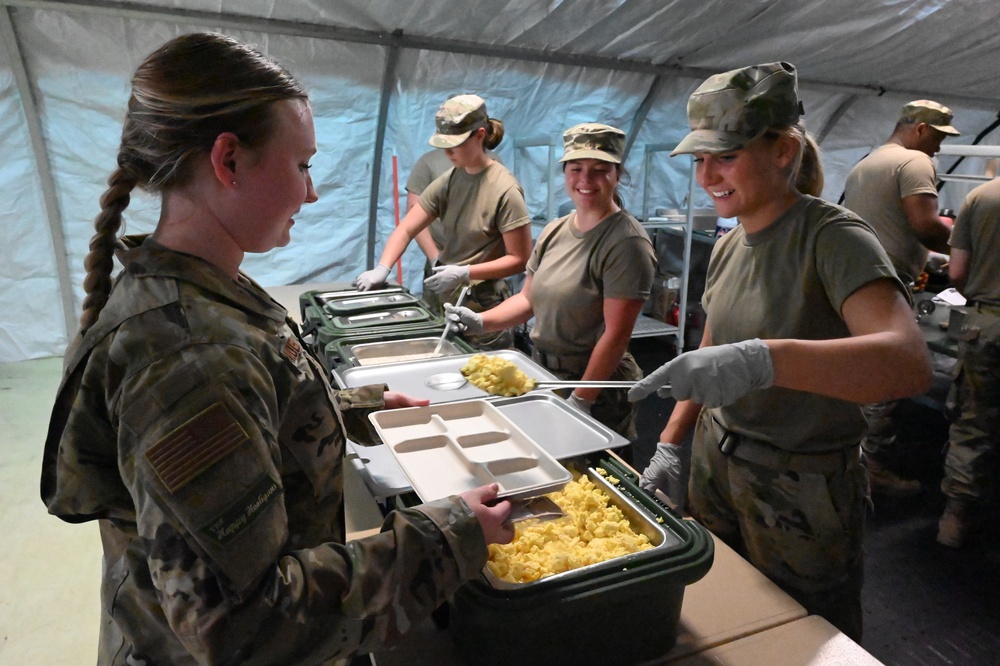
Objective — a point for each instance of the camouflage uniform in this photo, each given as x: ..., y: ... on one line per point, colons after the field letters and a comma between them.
x: 974, y: 437
x: 777, y: 474
x: 193, y: 425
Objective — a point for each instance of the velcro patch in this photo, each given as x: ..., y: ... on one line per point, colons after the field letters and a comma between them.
x: 243, y: 511
x: 195, y: 446
x: 292, y: 349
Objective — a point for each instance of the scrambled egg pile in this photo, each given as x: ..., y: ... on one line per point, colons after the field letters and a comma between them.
x: 592, y: 531
x: 497, y: 376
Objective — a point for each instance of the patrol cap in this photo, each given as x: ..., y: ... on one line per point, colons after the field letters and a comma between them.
x: 730, y: 109
x: 926, y: 111
x: 456, y: 119
x: 594, y: 141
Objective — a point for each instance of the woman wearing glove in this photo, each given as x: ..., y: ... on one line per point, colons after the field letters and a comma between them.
x: 194, y: 426
x: 483, y: 216
x: 588, y: 277
x: 806, y: 321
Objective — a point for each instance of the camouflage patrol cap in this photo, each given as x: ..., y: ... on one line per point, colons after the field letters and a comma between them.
x: 926, y: 111
x: 456, y: 119
x: 730, y: 109
x: 594, y: 141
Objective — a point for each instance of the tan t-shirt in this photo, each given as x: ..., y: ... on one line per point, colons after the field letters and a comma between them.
x: 977, y: 230
x: 573, y: 272
x: 874, y: 190
x: 428, y: 167
x: 475, y: 211
x: 790, y: 280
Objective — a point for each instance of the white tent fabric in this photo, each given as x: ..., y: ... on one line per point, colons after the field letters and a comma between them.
x: 541, y: 66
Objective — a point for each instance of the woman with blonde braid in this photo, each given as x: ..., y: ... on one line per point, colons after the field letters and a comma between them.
x: 195, y: 427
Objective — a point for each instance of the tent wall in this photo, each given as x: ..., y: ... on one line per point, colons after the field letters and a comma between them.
x: 541, y: 67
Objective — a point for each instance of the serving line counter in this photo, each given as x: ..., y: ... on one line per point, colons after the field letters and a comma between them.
x: 731, y: 615
x: 734, y: 615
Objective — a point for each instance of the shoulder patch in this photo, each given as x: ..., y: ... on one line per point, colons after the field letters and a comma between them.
x: 195, y: 446
x: 243, y: 511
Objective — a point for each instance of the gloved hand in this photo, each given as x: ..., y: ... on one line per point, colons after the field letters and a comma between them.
x: 711, y: 376
x: 581, y: 404
x: 371, y: 279
x: 447, y: 279
x: 667, y: 472
x: 463, y: 320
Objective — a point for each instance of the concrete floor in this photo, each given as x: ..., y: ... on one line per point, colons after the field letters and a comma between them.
x: 50, y: 571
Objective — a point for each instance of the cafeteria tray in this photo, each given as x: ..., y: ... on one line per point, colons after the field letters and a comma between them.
x: 450, y: 448
x: 415, y: 378
x: 560, y: 429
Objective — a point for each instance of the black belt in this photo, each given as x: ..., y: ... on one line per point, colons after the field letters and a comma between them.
x: 566, y: 362
x: 763, y: 453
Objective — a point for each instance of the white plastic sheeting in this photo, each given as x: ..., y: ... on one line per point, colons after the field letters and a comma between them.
x: 858, y: 64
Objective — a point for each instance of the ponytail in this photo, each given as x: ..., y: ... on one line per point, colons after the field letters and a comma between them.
x: 494, y: 133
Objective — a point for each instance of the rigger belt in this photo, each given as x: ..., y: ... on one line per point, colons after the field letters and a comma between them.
x: 576, y: 363
x: 762, y: 453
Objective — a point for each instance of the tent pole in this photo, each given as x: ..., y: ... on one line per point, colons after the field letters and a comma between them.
x: 52, y: 214
x: 388, y: 76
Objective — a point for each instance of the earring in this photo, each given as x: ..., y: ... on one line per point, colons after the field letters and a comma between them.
x: 233, y: 182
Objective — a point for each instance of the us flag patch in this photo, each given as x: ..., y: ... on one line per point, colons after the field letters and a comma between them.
x: 194, y: 447
x: 292, y: 349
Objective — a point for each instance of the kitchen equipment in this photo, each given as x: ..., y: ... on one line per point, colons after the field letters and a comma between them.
x: 450, y: 448
x: 416, y: 378
x: 340, y: 304
x: 365, y: 349
x: 622, y: 611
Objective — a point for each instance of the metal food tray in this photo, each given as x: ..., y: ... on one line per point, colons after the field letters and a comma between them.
x: 558, y: 427
x: 412, y: 377
x: 400, y: 351
x: 406, y: 315
x: 641, y: 522
x: 447, y: 449
x: 366, y: 301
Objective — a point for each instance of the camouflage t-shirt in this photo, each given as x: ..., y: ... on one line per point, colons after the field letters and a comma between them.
x: 195, y: 426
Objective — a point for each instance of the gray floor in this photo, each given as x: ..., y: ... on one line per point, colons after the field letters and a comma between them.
x: 50, y: 571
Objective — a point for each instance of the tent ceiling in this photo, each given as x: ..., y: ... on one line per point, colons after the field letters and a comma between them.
x: 377, y: 68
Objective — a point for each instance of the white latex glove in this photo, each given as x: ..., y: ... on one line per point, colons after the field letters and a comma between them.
x: 711, y: 376
x: 447, y: 279
x: 667, y: 472
x: 463, y: 320
x: 371, y: 279
x: 581, y: 404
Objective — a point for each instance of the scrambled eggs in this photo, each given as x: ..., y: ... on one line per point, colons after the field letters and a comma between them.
x: 497, y: 376
x: 592, y: 531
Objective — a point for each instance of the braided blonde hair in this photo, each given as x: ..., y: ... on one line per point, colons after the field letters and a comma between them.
x: 184, y: 95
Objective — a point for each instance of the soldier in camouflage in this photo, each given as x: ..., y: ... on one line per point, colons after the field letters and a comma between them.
x: 805, y: 320
x: 194, y: 426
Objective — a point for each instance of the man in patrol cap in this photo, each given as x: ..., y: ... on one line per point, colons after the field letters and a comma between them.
x: 894, y: 189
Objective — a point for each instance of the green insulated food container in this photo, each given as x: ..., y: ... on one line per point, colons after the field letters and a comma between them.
x: 323, y: 315
x: 623, y: 611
